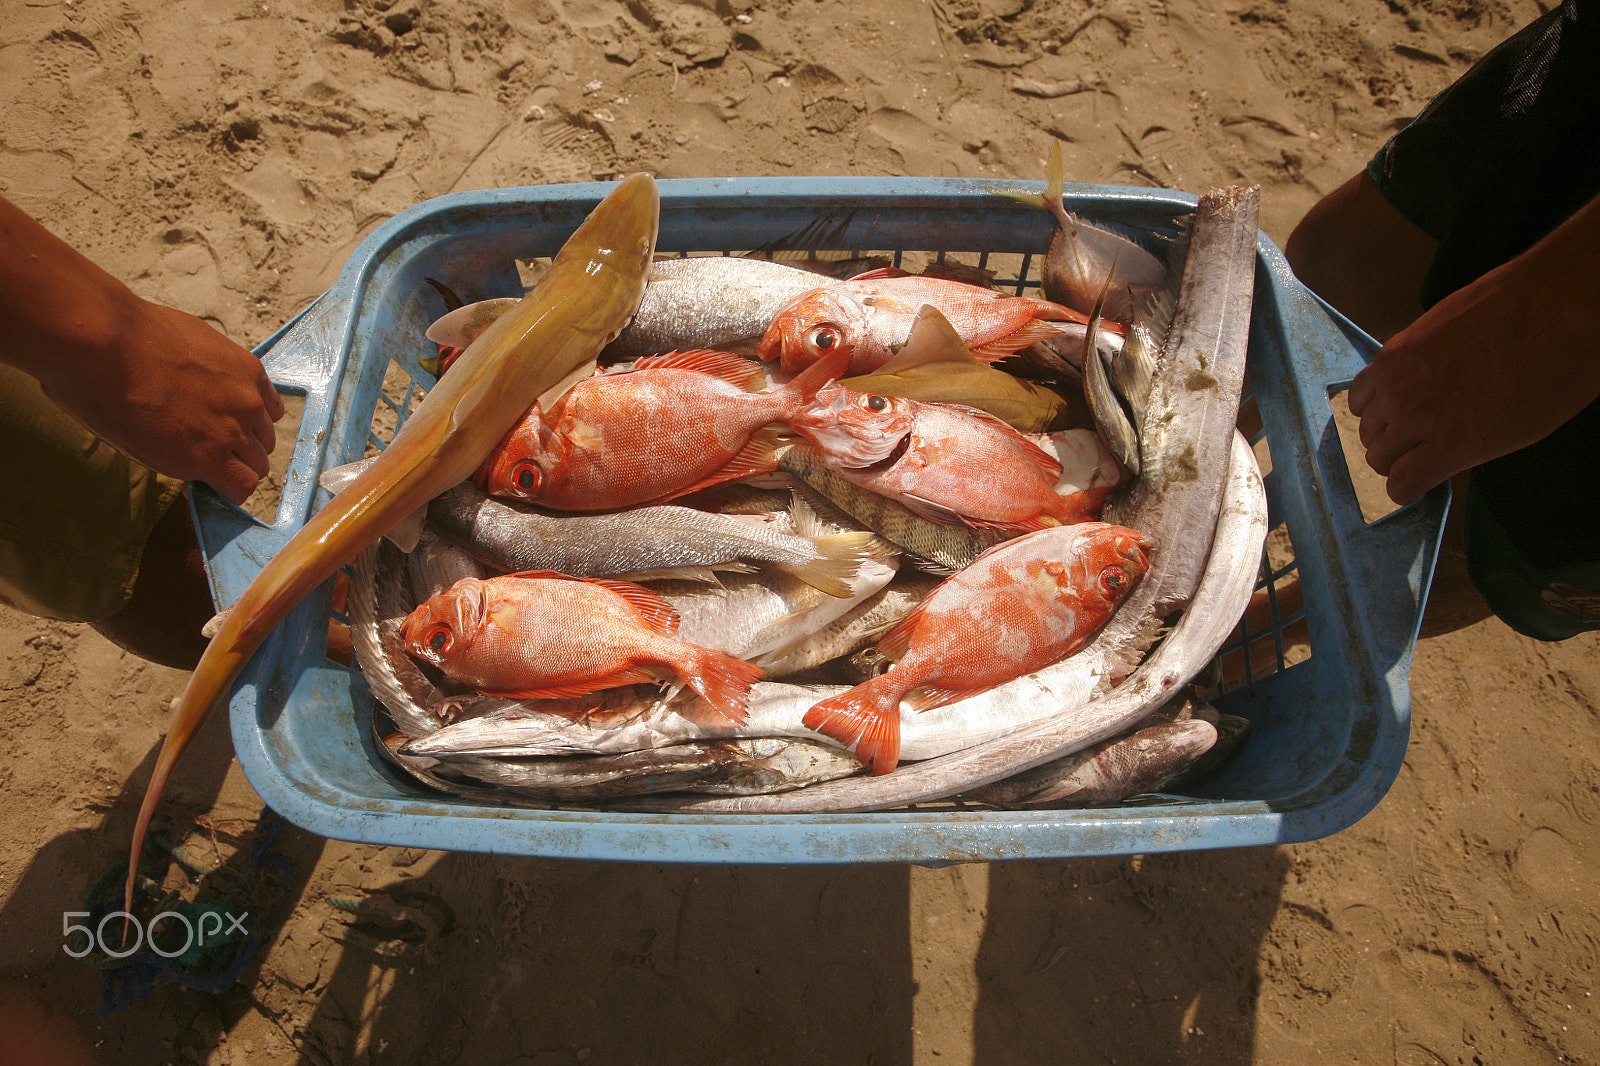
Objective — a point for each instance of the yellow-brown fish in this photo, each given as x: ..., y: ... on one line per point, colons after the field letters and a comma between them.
x: 534, y: 351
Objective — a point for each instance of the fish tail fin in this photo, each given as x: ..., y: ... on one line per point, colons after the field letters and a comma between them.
x: 723, y: 681
x: 189, y: 714
x: 839, y: 559
x: 868, y: 717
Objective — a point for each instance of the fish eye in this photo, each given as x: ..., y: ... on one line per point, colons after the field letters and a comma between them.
x: 1113, y: 579
x: 823, y: 338
x: 439, y: 639
x: 875, y: 403
x: 527, y: 477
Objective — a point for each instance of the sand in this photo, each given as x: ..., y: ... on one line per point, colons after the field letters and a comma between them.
x: 227, y: 156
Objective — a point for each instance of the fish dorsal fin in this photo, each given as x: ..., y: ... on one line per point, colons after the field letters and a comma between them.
x: 734, y: 369
x: 658, y: 614
x: 882, y: 273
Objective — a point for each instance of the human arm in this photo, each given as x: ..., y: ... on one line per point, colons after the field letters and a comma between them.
x: 1491, y: 368
x: 156, y: 383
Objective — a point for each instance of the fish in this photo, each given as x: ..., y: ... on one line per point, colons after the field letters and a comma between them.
x: 721, y: 302
x: 543, y: 635
x: 676, y: 424
x: 589, y: 294
x: 1081, y: 256
x: 620, y: 720
x: 870, y: 317
x: 512, y: 538
x: 738, y: 767
x: 852, y: 630
x: 936, y: 366
x: 1106, y: 773
x: 936, y: 547
x: 756, y: 615
x: 945, y: 462
x: 1020, y: 606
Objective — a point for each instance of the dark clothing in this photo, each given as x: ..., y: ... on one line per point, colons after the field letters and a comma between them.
x: 1492, y: 165
x: 1507, y: 153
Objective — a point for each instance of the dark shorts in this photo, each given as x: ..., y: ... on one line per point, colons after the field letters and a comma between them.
x: 74, y: 512
x: 1492, y: 165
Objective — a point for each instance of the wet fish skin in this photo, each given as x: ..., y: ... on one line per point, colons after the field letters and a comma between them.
x: 870, y: 318
x: 945, y: 462
x: 1064, y: 707
x: 544, y: 635
x: 676, y: 424
x: 1107, y: 773
x: 852, y: 630
x: 591, y: 291
x: 741, y: 767
x: 512, y: 538
x: 380, y: 597
x: 1082, y: 255
x: 933, y: 546
x: 708, y: 302
x: 1021, y: 606
x: 753, y: 615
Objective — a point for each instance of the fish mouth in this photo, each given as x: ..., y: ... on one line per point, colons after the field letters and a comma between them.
x: 888, y: 461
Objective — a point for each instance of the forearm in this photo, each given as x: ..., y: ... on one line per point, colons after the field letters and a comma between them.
x: 60, y: 314
x: 1556, y: 285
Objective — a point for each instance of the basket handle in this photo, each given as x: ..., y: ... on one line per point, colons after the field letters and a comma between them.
x: 304, y: 358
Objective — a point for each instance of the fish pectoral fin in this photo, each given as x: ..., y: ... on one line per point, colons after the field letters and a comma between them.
x: 933, y: 512
x: 758, y: 456
x: 927, y: 697
x: 406, y: 533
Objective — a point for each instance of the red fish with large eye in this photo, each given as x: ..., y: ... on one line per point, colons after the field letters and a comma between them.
x: 1019, y: 607
x: 543, y: 635
x: 674, y: 424
x: 870, y: 318
x: 946, y: 462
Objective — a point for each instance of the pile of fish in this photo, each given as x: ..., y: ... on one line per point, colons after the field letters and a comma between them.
x: 802, y: 544
x: 810, y: 548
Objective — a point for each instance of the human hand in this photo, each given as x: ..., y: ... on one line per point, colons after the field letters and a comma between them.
x: 1495, y: 366
x: 178, y: 396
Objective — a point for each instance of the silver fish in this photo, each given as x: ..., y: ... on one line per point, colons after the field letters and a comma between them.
x: 752, y: 615
x: 753, y: 766
x: 1108, y: 772
x: 708, y: 302
x: 1082, y: 256
x: 511, y: 539
x: 852, y: 630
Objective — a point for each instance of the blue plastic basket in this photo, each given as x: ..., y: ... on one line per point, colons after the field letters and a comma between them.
x: 1328, y: 734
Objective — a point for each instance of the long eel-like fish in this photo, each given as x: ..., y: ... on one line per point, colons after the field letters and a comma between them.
x: 589, y: 294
